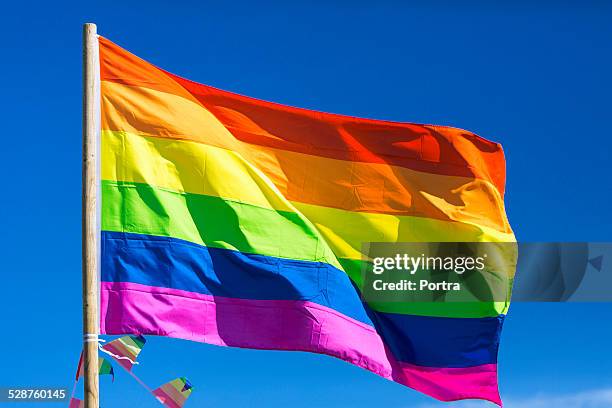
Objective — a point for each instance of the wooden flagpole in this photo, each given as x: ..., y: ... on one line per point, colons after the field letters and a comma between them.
x: 91, y: 124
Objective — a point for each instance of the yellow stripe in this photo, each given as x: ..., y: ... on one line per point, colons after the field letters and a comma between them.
x: 201, y: 169
x: 347, y: 231
x: 189, y: 167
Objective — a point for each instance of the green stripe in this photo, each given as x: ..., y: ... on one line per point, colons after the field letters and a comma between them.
x: 105, y: 367
x: 211, y: 221
x: 444, y: 309
x: 137, y: 342
x: 221, y: 223
x: 355, y: 269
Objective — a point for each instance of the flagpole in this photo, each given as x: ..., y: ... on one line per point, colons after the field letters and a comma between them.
x: 89, y: 216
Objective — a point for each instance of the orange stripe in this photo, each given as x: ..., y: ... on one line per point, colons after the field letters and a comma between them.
x: 432, y: 149
x: 352, y: 186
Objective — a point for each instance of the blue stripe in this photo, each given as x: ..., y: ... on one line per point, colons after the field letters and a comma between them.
x: 441, y: 341
x: 177, y: 264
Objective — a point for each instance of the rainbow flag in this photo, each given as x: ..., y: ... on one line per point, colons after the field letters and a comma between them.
x: 104, y: 368
x: 238, y: 222
x: 125, y: 350
x: 173, y: 394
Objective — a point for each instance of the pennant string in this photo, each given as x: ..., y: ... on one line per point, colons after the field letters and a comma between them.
x: 117, y: 357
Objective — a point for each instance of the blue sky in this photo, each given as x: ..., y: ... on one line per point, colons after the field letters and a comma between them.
x: 533, y: 76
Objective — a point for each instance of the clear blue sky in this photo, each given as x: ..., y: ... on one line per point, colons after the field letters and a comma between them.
x: 534, y: 76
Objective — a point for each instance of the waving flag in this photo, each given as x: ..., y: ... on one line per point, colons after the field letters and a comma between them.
x: 125, y: 349
x: 238, y: 222
x: 105, y: 368
x: 174, y: 393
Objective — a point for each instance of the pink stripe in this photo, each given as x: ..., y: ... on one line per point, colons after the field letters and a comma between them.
x: 130, y: 308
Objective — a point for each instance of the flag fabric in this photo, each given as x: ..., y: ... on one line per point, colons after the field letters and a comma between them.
x: 76, y: 403
x: 238, y: 222
x: 105, y: 368
x: 174, y: 393
x: 125, y: 350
